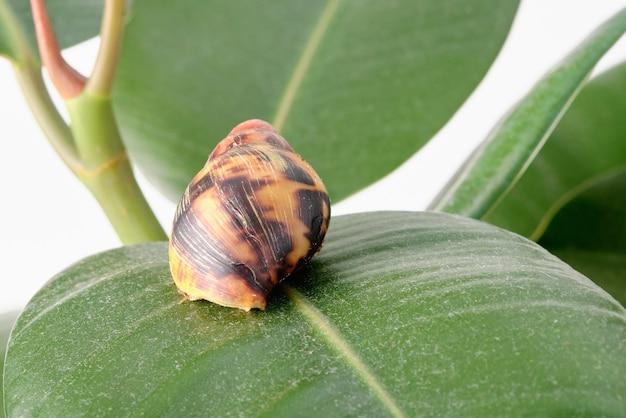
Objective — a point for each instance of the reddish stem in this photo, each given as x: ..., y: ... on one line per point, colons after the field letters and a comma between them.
x: 68, y: 82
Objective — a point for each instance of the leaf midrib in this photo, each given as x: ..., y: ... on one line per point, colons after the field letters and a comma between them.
x: 303, y: 65
x: 323, y: 326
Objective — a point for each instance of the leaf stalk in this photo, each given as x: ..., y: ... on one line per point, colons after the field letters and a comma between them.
x: 92, y: 145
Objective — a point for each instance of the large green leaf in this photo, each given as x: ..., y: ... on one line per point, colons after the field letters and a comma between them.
x: 401, y: 314
x: 606, y: 268
x: 7, y: 319
x: 589, y: 232
x: 502, y: 159
x: 73, y: 22
x: 589, y: 142
x: 356, y: 86
x: 595, y: 219
x: 574, y: 188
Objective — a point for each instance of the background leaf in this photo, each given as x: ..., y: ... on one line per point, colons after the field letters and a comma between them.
x: 7, y: 44
x: 494, y: 168
x: 589, y: 141
x: 383, y: 78
x: 73, y: 22
x: 571, y: 198
x: 589, y: 232
x: 405, y: 313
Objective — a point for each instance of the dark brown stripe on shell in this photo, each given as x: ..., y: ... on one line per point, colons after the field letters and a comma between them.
x: 260, y: 233
x: 296, y: 173
x: 202, y: 185
x: 313, y: 205
x: 208, y: 255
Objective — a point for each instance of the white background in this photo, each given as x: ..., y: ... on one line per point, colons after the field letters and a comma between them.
x: 49, y: 221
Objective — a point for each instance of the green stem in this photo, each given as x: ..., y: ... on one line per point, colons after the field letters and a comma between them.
x: 106, y: 170
x: 111, y: 35
x: 28, y: 73
x: 92, y: 148
x: 51, y: 123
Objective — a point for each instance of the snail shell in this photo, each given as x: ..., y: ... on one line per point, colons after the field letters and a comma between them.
x: 253, y: 215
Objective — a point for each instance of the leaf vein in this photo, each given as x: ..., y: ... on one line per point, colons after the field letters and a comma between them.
x: 303, y: 64
x: 321, y: 323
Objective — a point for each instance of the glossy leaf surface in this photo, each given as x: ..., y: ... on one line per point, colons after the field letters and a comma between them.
x: 606, y: 268
x: 355, y: 86
x: 589, y: 143
x: 571, y: 198
x: 404, y: 314
x: 589, y: 232
x: 495, y: 168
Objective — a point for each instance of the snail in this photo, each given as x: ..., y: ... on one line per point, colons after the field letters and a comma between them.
x: 253, y: 215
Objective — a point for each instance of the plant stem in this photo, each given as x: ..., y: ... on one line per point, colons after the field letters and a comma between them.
x: 52, y: 124
x: 28, y: 73
x: 106, y: 170
x: 111, y: 35
x: 92, y: 147
x: 66, y: 79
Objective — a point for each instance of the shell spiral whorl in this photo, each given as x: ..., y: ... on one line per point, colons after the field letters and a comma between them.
x: 255, y: 213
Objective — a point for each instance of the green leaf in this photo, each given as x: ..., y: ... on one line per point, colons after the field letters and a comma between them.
x: 73, y: 22
x: 606, y: 268
x: 594, y: 219
x: 7, y: 43
x: 587, y: 144
x: 571, y: 198
x: 7, y: 319
x: 590, y: 233
x: 414, y: 314
x: 356, y: 86
x: 495, y: 168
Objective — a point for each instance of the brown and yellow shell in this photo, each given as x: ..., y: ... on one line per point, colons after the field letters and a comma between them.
x: 253, y: 215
